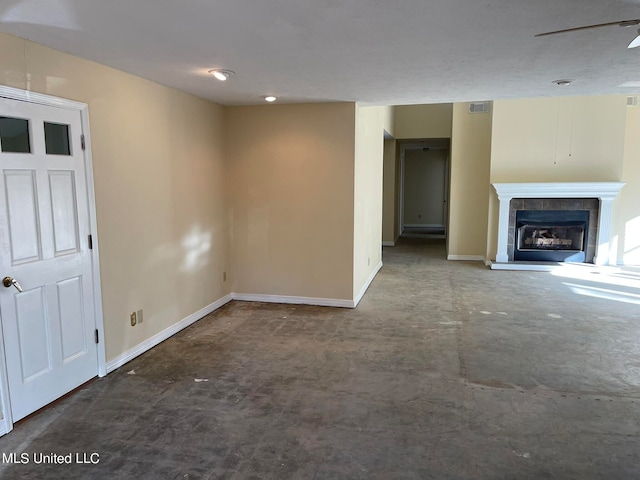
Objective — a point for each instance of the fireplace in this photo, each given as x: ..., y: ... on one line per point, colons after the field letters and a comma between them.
x: 571, y: 238
x: 551, y: 235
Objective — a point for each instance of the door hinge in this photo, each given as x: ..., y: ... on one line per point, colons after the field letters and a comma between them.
x: 97, y: 336
x: 90, y: 242
x: 82, y: 142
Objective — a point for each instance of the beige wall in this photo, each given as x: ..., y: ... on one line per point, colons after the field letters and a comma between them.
x: 469, y: 192
x: 367, y: 228
x: 388, y: 120
x: 291, y: 192
x: 389, y: 193
x: 158, y: 167
x: 627, y: 206
x: 568, y: 139
x: 423, y: 121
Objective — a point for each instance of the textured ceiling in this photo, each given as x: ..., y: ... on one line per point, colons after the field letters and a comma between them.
x: 373, y: 52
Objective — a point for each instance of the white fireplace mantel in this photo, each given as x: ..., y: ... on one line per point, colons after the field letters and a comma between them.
x: 606, y: 192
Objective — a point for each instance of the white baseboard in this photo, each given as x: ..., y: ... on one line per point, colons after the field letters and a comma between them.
x: 247, y: 297
x: 323, y: 302
x: 165, y: 334
x: 472, y: 258
x: 423, y: 225
x: 364, y: 288
x: 5, y: 426
x: 388, y: 244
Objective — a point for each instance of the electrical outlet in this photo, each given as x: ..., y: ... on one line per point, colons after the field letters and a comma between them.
x: 134, y: 319
x: 139, y: 316
x: 224, y: 276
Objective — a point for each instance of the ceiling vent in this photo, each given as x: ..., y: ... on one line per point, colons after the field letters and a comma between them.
x: 632, y: 101
x: 479, y: 107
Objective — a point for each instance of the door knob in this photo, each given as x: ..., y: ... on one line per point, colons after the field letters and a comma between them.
x: 8, y: 281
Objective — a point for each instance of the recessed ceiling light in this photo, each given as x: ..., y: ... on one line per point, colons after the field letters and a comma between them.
x: 270, y: 98
x: 221, y: 74
x: 562, y: 83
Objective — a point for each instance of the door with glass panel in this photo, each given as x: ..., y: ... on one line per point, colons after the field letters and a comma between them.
x: 46, y: 296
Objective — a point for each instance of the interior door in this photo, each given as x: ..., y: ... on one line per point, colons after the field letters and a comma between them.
x: 425, y: 188
x: 49, y: 325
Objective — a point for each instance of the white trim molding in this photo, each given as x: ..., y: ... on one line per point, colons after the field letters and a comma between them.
x: 40, y: 98
x: 168, y: 332
x: 366, y: 285
x: 603, y: 190
x: 606, y: 192
x: 471, y: 258
x: 388, y: 244
x: 5, y: 426
x: 319, y: 301
x: 165, y: 334
x: 322, y: 302
x: 424, y: 225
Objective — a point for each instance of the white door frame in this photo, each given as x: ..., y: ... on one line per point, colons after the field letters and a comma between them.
x: 401, y: 194
x: 419, y: 145
x: 6, y: 424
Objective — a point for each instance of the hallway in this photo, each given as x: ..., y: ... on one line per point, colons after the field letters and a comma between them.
x: 446, y: 370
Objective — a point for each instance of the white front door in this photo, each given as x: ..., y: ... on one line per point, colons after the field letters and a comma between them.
x: 49, y: 327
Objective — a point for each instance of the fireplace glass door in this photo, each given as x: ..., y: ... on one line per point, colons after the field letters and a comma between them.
x: 551, y: 235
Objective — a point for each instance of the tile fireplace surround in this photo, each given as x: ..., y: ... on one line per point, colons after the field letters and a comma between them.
x: 605, y: 192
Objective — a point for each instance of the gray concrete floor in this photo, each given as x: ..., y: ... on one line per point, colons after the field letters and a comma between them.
x: 446, y: 370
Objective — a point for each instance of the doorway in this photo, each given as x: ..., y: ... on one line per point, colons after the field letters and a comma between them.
x: 50, y: 304
x: 424, y: 188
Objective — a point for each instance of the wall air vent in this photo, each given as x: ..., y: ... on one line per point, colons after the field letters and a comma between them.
x: 632, y: 101
x: 479, y: 107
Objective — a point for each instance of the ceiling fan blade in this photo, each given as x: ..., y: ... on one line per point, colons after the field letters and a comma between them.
x: 621, y: 23
x: 635, y: 42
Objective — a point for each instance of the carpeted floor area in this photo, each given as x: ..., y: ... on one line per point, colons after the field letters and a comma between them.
x: 446, y: 370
